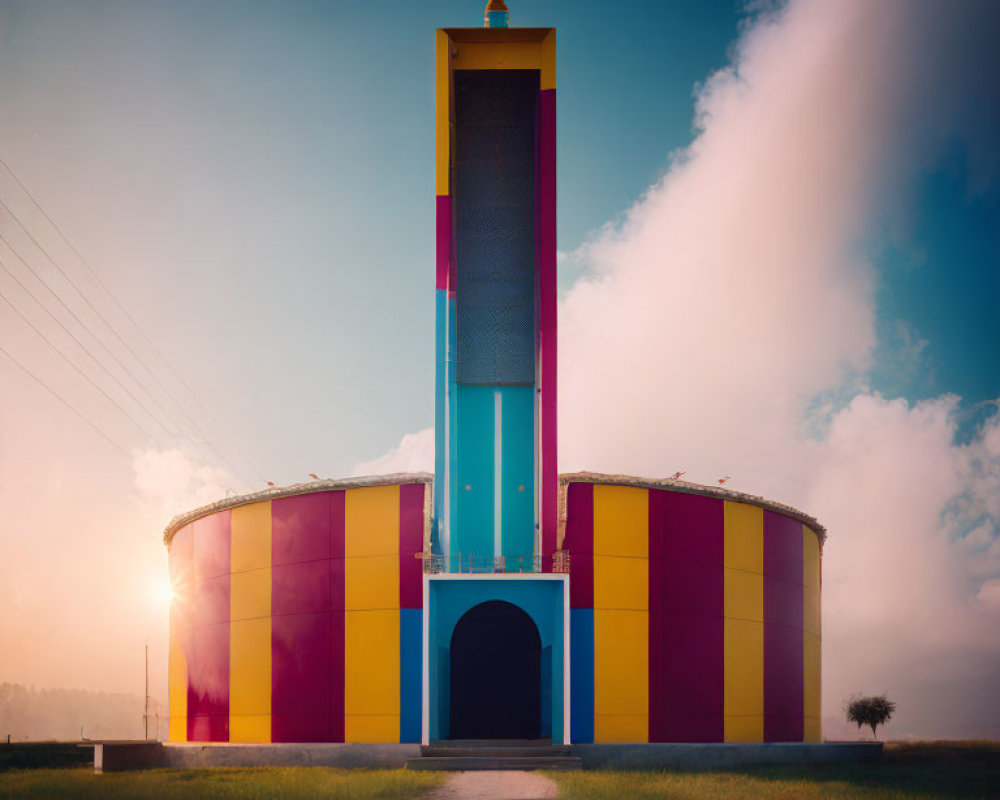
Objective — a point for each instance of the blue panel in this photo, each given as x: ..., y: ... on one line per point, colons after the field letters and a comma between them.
x: 411, y: 623
x: 440, y: 388
x: 452, y: 486
x: 546, y: 700
x: 472, y: 524
x: 542, y: 599
x: 518, y: 467
x: 581, y: 670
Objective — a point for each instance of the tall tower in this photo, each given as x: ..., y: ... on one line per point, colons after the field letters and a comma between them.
x: 495, y: 501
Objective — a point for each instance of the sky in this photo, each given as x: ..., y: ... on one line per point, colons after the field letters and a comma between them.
x: 779, y: 261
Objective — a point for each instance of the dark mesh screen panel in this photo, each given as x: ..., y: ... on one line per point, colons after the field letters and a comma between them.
x: 494, y: 200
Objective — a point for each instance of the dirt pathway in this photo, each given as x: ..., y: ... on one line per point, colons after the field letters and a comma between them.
x: 496, y: 785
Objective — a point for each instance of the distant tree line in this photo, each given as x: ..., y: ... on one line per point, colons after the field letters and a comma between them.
x: 27, y: 713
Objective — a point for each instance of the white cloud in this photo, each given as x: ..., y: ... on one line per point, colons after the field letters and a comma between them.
x: 171, y: 481
x: 414, y: 453
x: 735, y: 293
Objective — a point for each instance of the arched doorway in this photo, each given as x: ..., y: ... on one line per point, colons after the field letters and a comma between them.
x: 495, y: 668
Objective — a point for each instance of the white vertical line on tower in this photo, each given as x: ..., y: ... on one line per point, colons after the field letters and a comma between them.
x: 497, y: 473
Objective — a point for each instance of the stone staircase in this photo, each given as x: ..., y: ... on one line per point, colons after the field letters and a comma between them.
x: 483, y: 754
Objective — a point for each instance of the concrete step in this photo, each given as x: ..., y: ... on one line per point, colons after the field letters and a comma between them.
x: 491, y: 743
x: 494, y: 751
x: 467, y: 763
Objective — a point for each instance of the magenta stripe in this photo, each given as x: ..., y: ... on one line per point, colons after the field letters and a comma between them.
x: 547, y: 316
x: 686, y: 629
x: 181, y: 561
x: 181, y: 557
x: 307, y: 600
x: 208, y: 640
x: 301, y: 691
x: 783, y: 612
x: 338, y: 518
x: 411, y: 543
x: 338, y: 523
x: 300, y: 528
x: 579, y: 541
x: 443, y: 214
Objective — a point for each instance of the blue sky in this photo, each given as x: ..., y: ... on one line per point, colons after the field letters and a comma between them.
x: 253, y: 152
x: 290, y: 144
x: 804, y: 241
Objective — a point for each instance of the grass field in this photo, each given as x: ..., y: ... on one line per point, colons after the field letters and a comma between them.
x: 288, y: 783
x: 923, y: 771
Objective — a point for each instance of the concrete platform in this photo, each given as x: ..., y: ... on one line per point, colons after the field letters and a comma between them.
x: 716, y: 756
x: 121, y: 756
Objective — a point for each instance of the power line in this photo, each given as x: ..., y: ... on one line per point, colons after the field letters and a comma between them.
x: 118, y: 336
x: 86, y: 377
x: 80, y: 344
x: 65, y: 402
x: 121, y: 307
x: 84, y: 325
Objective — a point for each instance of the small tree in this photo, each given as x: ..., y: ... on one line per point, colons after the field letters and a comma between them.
x: 871, y: 711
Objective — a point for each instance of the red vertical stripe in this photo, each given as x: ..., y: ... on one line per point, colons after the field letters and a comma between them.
x: 208, y: 651
x: 686, y: 633
x: 547, y: 317
x: 579, y: 541
x: 307, y: 599
x: 337, y: 597
x: 443, y: 224
x: 411, y: 544
x: 783, y: 610
x: 181, y: 559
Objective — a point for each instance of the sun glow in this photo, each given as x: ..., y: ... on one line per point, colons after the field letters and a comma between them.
x: 162, y: 592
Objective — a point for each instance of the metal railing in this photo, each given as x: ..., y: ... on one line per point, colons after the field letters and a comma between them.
x: 469, y: 563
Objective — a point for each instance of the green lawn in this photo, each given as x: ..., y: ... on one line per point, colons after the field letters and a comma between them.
x: 925, y: 771
x: 267, y: 782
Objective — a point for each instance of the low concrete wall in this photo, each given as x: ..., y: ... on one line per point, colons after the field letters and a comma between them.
x: 714, y: 756
x: 120, y: 756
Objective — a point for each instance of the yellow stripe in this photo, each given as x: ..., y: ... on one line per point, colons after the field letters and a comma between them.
x: 812, y: 659
x: 621, y: 614
x: 621, y: 521
x: 250, y: 626
x: 177, y: 680
x: 744, y: 623
x: 371, y: 618
x: 494, y: 55
x: 548, y: 76
x: 443, y: 112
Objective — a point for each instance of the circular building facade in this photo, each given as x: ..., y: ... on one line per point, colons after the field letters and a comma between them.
x: 696, y: 614
x: 672, y: 613
x: 296, y: 614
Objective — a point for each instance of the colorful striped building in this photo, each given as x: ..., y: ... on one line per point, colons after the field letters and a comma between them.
x: 495, y: 599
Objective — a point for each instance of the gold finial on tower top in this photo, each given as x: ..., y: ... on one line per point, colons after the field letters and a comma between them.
x: 496, y: 14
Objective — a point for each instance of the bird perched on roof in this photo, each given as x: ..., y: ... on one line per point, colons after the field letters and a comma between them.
x: 723, y: 480
x: 677, y: 475
x: 270, y: 483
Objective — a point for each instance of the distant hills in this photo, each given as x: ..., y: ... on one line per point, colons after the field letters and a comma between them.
x: 27, y: 713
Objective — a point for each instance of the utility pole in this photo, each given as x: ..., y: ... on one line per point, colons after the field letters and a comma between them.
x: 145, y: 715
